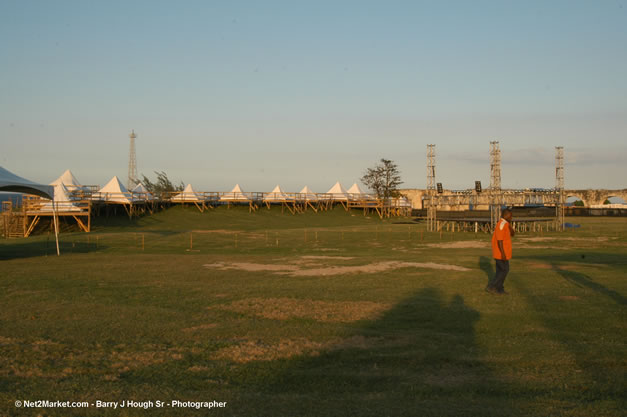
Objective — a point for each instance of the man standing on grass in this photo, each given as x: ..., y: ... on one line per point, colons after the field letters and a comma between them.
x: 501, y: 251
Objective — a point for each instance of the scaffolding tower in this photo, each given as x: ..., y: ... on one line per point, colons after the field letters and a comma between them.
x: 132, y: 163
x: 559, y: 187
x: 431, y: 206
x: 495, y: 183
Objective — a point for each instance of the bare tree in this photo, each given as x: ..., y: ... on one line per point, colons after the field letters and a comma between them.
x: 383, y: 179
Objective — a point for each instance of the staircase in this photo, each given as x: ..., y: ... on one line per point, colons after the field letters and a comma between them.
x: 12, y: 222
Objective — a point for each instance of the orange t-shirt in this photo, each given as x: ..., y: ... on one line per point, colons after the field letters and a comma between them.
x: 501, y: 232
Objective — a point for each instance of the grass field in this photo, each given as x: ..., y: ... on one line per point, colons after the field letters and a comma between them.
x: 330, y: 314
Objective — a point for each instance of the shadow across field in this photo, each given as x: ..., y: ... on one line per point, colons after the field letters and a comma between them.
x: 606, y: 260
x: 583, y: 280
x: 419, y: 358
x: 23, y: 248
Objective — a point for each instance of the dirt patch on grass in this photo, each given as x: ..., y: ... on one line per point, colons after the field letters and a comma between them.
x: 218, y: 231
x: 125, y: 361
x: 339, y: 258
x: 201, y: 327
x: 289, y: 308
x: 468, y: 244
x: 540, y: 266
x: 7, y: 340
x: 297, y: 271
x: 373, y: 268
x: 576, y: 239
x: 198, y: 369
x: 248, y: 351
x: 252, y: 267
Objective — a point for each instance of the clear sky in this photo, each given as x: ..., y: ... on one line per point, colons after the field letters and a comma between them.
x: 312, y: 92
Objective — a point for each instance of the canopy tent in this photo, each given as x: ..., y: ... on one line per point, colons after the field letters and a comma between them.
x: 277, y: 195
x: 338, y: 192
x: 357, y: 194
x: 62, y: 200
x: 306, y: 194
x: 115, y: 192
x: 402, y: 202
x: 188, y: 196
x: 236, y: 194
x: 13, y: 183
x: 68, y: 179
x: 140, y: 192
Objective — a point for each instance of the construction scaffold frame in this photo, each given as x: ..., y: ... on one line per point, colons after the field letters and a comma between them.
x: 495, y: 199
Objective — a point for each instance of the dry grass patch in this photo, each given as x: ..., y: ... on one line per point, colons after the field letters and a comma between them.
x: 373, y: 268
x: 201, y: 327
x: 339, y: 258
x: 467, y: 244
x: 252, y: 267
x: 300, y: 270
x: 324, y: 311
x: 248, y: 351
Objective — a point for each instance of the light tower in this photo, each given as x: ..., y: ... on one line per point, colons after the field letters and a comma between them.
x: 431, y: 207
x: 559, y: 186
x: 132, y: 163
x: 495, y: 183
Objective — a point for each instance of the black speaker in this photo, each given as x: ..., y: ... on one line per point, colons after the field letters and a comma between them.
x: 440, y: 190
x: 478, y: 186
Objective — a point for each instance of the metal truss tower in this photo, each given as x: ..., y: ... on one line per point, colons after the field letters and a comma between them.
x: 559, y: 187
x: 495, y: 183
x: 132, y: 163
x: 431, y: 206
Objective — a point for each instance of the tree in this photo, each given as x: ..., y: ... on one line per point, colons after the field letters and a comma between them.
x: 162, y: 185
x: 607, y: 201
x: 578, y: 203
x: 383, y: 179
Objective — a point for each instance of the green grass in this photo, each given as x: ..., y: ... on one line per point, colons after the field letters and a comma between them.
x: 110, y: 320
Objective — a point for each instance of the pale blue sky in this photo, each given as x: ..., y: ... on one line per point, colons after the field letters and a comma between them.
x: 260, y: 93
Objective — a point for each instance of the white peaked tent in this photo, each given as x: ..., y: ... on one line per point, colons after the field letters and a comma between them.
x: 140, y: 192
x: 188, y: 195
x: 307, y: 195
x: 62, y: 200
x: 115, y: 192
x: 338, y: 192
x: 236, y: 194
x: 68, y: 179
x: 402, y: 202
x: 356, y: 193
x: 13, y: 183
x: 276, y: 195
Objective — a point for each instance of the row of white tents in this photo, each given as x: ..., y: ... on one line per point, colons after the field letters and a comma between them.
x: 114, y: 191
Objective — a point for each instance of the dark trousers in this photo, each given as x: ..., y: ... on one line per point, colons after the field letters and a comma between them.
x: 502, y: 268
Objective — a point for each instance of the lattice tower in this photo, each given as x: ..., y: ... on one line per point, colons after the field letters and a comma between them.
x: 495, y: 182
x: 559, y: 186
x: 431, y: 206
x: 132, y: 163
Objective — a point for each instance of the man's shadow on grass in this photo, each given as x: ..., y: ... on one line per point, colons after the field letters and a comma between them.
x: 419, y: 358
